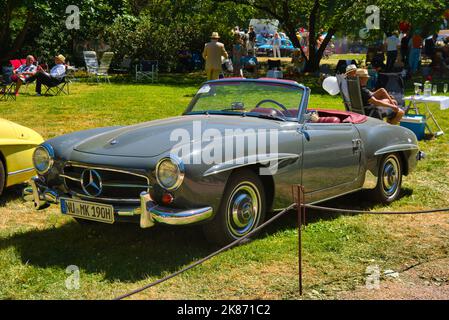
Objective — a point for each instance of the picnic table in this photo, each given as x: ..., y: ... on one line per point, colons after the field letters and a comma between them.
x: 417, y: 101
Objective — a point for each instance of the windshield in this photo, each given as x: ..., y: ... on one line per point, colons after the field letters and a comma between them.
x: 267, y: 100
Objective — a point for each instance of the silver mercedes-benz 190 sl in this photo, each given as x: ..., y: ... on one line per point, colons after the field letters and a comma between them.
x: 227, y: 161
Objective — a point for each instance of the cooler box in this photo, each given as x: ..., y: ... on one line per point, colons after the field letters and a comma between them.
x: 416, y: 123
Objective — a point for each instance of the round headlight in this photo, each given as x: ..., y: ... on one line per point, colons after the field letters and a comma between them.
x: 43, y: 158
x: 170, y: 173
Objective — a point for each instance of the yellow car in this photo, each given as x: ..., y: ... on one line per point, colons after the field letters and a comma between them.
x: 17, y: 145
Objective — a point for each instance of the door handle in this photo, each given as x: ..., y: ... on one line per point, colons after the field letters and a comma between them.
x: 356, y: 144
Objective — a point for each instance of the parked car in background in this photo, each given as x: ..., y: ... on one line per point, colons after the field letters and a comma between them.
x: 166, y: 172
x: 267, y: 48
x: 17, y: 145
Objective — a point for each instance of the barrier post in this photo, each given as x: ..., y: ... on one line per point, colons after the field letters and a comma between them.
x: 298, y: 198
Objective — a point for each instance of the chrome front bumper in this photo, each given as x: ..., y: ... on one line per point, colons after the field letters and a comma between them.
x: 150, y: 213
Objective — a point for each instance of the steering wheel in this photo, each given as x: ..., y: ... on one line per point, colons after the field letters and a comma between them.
x: 272, y: 101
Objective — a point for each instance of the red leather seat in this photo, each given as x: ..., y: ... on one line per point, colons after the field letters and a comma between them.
x: 328, y: 120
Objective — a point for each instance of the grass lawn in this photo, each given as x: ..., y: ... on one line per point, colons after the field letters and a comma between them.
x: 37, y: 247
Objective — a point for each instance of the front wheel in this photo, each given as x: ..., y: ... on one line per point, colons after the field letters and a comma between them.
x: 389, y: 179
x: 242, y: 209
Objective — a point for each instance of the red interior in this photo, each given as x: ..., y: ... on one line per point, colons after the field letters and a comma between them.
x: 325, y: 116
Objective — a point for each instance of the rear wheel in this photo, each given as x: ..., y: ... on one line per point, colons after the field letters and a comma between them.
x: 242, y: 209
x: 2, y: 177
x: 389, y: 179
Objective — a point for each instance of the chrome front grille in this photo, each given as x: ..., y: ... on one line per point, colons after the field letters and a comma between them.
x: 104, y: 184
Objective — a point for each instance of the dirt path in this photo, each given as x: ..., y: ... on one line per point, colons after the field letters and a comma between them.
x: 428, y: 280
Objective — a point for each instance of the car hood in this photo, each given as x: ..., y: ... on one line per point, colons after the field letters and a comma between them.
x: 150, y: 139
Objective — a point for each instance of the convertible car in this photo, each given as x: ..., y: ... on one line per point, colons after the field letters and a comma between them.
x: 17, y: 145
x: 227, y: 161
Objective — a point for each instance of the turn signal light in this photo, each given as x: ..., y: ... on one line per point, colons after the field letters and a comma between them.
x: 167, y: 198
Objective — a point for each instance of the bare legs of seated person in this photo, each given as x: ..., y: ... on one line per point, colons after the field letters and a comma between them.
x: 382, y: 94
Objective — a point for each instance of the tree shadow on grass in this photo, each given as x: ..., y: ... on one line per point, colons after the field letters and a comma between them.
x: 121, y: 252
x: 127, y: 253
x: 11, y: 193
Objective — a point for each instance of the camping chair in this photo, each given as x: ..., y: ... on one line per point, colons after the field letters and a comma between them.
x: 105, y: 63
x: 124, y: 66
x: 394, y: 84
x: 62, y: 87
x: 343, y: 86
x: 147, y: 69
x: 7, y: 91
x: 90, y: 59
x: 357, y: 106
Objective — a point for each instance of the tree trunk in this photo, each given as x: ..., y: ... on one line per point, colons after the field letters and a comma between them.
x: 311, y: 64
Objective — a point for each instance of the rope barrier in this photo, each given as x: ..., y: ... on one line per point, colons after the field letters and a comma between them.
x: 298, y: 196
x: 174, y: 274
x: 374, y: 212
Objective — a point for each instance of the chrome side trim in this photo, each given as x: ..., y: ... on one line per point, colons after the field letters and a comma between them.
x: 396, y: 148
x: 243, y: 162
x: 20, y: 171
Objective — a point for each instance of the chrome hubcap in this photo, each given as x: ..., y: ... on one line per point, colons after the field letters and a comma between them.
x: 391, y: 176
x: 243, y: 210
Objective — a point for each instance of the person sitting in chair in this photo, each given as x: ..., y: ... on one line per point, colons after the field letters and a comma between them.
x: 55, y: 77
x: 24, y: 74
x: 379, y: 98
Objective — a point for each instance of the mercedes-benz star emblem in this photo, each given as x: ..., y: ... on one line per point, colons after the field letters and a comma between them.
x: 91, y: 182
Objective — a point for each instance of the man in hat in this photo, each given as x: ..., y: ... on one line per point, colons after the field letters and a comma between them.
x: 351, y: 71
x: 212, y: 54
x: 379, y: 98
x: 55, y: 77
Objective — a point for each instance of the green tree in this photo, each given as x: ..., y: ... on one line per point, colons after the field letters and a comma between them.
x: 342, y: 16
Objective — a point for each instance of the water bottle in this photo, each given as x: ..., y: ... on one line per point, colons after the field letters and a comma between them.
x: 427, y: 88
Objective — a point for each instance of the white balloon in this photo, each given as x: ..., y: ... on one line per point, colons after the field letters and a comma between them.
x: 330, y: 84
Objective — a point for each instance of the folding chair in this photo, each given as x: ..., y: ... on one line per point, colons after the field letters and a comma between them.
x: 7, y: 91
x: 62, y: 87
x: 105, y: 63
x: 357, y: 106
x: 90, y: 59
x: 7, y: 87
x: 343, y: 86
x: 147, y: 69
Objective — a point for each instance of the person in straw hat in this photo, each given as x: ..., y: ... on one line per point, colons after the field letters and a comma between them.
x: 379, y: 98
x: 53, y: 78
x: 212, y: 54
x: 351, y: 71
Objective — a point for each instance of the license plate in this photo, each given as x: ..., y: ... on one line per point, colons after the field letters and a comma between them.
x: 87, y: 210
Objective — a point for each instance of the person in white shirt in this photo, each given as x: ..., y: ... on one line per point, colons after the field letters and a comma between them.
x: 25, y: 73
x: 276, y: 43
x: 52, y: 79
x: 392, y: 43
